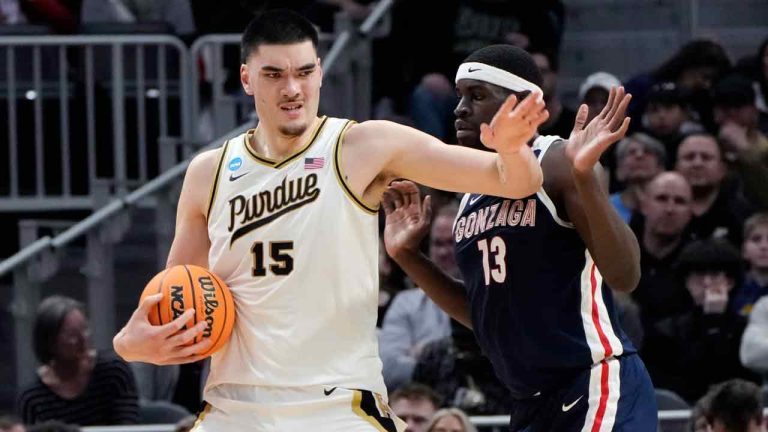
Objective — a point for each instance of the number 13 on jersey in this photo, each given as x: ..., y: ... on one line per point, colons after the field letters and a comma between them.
x: 495, y: 249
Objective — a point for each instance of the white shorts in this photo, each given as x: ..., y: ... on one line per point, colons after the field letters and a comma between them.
x: 317, y: 409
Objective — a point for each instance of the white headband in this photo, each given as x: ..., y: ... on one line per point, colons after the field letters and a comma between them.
x: 494, y: 75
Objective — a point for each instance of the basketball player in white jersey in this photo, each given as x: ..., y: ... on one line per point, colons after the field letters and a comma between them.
x: 286, y: 214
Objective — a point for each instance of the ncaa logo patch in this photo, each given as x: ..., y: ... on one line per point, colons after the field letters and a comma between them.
x: 235, y: 164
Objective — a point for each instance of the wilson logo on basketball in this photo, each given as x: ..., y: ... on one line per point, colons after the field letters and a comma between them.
x: 192, y: 287
x: 209, y: 302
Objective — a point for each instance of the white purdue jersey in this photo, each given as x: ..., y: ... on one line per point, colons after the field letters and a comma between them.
x: 300, y: 253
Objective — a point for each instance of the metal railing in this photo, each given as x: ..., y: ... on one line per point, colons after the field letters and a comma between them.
x: 79, y: 108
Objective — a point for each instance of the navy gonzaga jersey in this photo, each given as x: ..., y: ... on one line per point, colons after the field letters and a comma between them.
x: 539, y: 308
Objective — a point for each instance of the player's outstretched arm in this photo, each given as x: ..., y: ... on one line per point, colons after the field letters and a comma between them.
x: 407, y: 223
x: 139, y: 340
x: 388, y: 151
x: 611, y: 243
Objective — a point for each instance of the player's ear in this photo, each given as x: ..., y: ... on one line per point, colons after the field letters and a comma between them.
x: 244, y: 80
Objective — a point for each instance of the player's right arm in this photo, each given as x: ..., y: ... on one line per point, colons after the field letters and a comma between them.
x: 166, y: 344
x: 407, y: 223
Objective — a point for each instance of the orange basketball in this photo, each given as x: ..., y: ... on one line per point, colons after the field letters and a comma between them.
x: 189, y: 286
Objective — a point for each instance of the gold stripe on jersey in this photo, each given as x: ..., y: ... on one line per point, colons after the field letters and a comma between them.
x: 365, y: 406
x: 215, y: 185
x: 279, y: 164
x: 340, y: 175
x: 201, y: 416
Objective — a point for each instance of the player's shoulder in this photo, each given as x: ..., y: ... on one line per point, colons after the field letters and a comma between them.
x: 206, y: 160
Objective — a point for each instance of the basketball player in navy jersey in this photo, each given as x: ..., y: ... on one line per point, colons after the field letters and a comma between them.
x: 534, y: 268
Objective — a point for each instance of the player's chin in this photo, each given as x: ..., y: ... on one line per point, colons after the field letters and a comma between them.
x: 468, y: 138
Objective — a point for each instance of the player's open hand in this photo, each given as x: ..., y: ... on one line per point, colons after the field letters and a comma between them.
x: 587, y: 144
x: 514, y: 123
x: 407, y: 218
x: 165, y: 344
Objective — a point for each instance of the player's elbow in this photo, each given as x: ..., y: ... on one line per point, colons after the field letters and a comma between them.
x: 625, y: 281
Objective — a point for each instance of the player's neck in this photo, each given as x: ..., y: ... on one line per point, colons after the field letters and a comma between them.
x: 660, y: 246
x: 703, y: 198
x: 269, y: 142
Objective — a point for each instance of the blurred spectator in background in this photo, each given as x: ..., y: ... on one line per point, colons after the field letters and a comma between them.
x: 561, y: 118
x: 176, y: 13
x: 10, y: 423
x: 754, y: 343
x: 698, y: 421
x: 666, y: 212
x: 75, y: 384
x: 415, y: 404
x: 10, y: 13
x: 695, y: 67
x: 391, y: 282
x: 639, y: 159
x: 755, y: 67
x: 414, y: 319
x: 754, y: 250
x: 744, y: 145
x: 450, y: 420
x: 735, y: 406
x: 689, y: 352
x: 594, y: 92
x: 719, y: 207
x: 459, y: 372
x: 668, y: 116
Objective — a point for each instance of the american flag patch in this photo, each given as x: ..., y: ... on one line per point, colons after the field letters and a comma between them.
x: 314, y: 162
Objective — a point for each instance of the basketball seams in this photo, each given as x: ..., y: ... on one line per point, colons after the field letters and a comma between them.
x: 192, y: 293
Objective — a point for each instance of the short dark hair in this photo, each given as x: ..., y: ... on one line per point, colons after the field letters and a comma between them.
x: 711, y: 255
x: 416, y: 391
x: 279, y: 27
x: 735, y: 403
x: 509, y: 58
x: 50, y: 316
x: 707, y: 135
x: 733, y: 91
x: 694, y: 54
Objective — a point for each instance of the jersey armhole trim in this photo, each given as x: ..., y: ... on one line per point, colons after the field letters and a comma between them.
x: 542, y: 194
x: 215, y: 184
x: 340, y: 175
